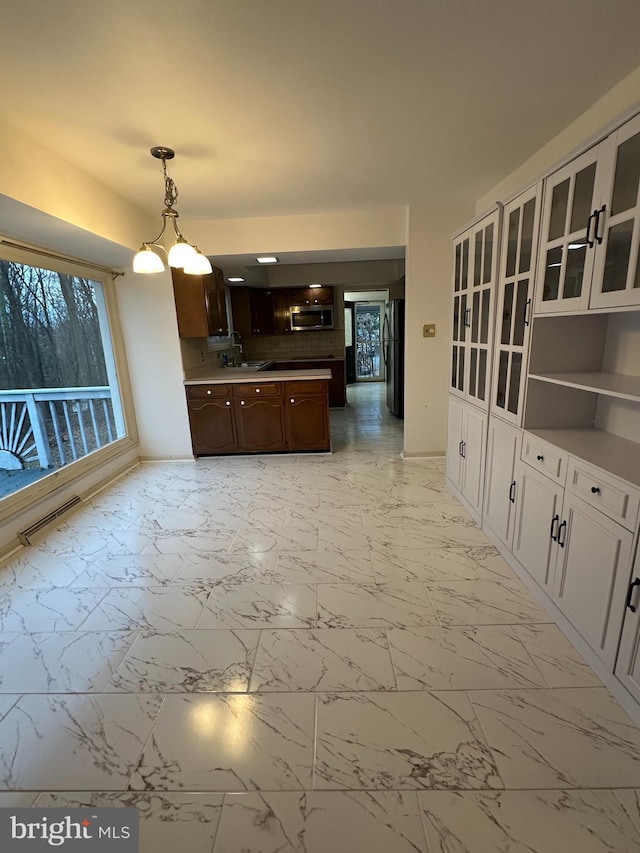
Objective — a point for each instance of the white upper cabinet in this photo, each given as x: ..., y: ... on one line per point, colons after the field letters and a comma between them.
x: 568, y: 237
x: 515, y: 309
x: 591, y: 228
x: 616, y: 274
x: 475, y: 268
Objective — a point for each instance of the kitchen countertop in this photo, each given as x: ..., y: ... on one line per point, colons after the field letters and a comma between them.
x: 207, y: 375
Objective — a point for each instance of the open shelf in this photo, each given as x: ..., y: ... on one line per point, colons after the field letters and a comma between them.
x: 611, y: 384
x: 609, y: 452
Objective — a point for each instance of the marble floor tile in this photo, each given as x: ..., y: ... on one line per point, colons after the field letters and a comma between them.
x: 261, y: 606
x: 225, y: 568
x: 276, y: 539
x: 353, y: 566
x: 47, y: 609
x: 130, y: 570
x: 527, y: 821
x: 188, y: 661
x: 159, y: 608
x: 95, y: 542
x: 342, y: 537
x: 199, y: 544
x: 555, y: 657
x: 324, y: 516
x: 321, y: 822
x: 422, y: 564
x: 7, y: 701
x: 560, y: 738
x: 374, y: 606
x: 336, y: 659
x: 64, y: 662
x: 229, y: 742
x: 74, y: 742
x: 483, y: 657
x: 485, y: 602
x: 401, y: 740
x: 397, y: 513
x: 31, y: 569
x: 169, y: 822
x: 17, y: 799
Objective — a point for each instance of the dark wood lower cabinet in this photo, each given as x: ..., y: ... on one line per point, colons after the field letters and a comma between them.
x: 259, y: 417
x: 261, y: 424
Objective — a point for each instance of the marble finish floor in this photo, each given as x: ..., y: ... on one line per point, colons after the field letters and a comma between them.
x: 304, y: 654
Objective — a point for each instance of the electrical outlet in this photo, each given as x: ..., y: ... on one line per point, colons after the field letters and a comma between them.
x: 429, y: 330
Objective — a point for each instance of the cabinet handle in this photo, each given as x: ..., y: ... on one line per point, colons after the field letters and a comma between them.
x: 512, y: 492
x: 590, y: 242
x: 527, y: 306
x: 633, y: 584
x: 595, y: 490
x: 540, y: 457
x: 209, y: 392
x: 242, y: 402
x: 464, y: 446
x: 562, y: 542
x: 554, y: 521
x: 227, y: 403
x: 599, y: 213
x: 292, y: 400
x: 460, y: 448
x: 257, y: 390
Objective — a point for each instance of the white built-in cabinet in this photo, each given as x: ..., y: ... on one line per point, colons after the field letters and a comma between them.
x: 591, y: 228
x: 514, y: 303
x: 466, y: 451
x: 559, y: 408
x: 475, y: 266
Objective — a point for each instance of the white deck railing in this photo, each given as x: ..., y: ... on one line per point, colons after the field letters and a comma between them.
x: 54, y: 426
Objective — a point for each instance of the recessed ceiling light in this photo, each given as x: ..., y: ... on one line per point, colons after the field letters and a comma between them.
x: 315, y: 285
x: 267, y: 259
x: 235, y: 278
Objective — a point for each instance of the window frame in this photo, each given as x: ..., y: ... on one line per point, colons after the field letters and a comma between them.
x: 40, y: 490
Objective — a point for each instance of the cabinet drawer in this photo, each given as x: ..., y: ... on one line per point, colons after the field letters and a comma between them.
x: 305, y: 386
x: 544, y: 457
x: 611, y: 496
x: 205, y: 392
x: 259, y: 389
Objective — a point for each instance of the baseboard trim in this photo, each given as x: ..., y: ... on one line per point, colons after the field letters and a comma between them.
x: 426, y: 454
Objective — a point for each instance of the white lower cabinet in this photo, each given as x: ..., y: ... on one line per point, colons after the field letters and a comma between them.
x: 592, y: 574
x: 466, y: 450
x: 501, y: 487
x: 628, y: 663
x: 537, y: 522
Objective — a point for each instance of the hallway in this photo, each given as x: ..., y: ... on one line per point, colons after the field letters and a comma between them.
x: 319, y: 654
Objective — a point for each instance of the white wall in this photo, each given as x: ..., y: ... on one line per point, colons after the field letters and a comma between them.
x: 150, y: 330
x: 428, y: 300
x: 623, y: 98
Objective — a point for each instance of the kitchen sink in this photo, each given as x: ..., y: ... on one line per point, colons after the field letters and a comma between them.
x: 247, y: 365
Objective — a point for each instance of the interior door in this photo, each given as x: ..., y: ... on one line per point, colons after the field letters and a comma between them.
x: 350, y: 342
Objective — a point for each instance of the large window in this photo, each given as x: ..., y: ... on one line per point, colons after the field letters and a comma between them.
x: 59, y: 396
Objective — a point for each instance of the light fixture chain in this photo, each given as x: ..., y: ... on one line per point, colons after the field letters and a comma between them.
x: 170, y: 189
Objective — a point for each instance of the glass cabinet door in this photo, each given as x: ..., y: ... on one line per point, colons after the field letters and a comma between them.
x: 484, y: 246
x: 568, y: 235
x: 515, y: 290
x: 461, y: 314
x: 616, y: 276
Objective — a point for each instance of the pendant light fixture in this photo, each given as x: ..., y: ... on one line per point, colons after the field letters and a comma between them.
x: 181, y: 255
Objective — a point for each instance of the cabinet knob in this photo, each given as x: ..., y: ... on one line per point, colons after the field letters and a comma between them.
x: 257, y: 390
x: 208, y: 392
x: 227, y: 403
x: 242, y: 402
x: 540, y: 458
x: 595, y: 490
x: 292, y: 400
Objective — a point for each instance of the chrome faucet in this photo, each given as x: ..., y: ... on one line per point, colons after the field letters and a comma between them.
x: 236, y: 348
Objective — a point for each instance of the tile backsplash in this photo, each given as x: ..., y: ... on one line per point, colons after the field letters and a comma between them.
x: 321, y: 343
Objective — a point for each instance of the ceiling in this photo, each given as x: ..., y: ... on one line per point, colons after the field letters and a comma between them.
x: 280, y: 107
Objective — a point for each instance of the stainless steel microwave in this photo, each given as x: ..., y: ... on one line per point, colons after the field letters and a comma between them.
x: 306, y: 317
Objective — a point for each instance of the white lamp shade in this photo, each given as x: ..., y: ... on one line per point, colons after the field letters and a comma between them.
x: 181, y: 253
x: 146, y: 261
x: 199, y: 265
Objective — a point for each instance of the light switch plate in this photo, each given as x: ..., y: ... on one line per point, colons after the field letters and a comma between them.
x: 429, y: 330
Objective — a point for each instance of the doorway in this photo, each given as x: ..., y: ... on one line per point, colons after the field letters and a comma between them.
x: 368, y: 327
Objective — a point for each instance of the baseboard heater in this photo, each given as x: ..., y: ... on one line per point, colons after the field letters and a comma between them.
x: 26, y: 536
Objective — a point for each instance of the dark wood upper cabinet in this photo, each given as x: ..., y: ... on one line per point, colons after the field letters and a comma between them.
x: 262, y: 311
x: 311, y: 295
x: 282, y: 310
x: 241, y: 310
x: 200, y: 304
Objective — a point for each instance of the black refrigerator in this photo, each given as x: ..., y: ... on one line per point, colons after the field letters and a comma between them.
x: 393, y: 351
